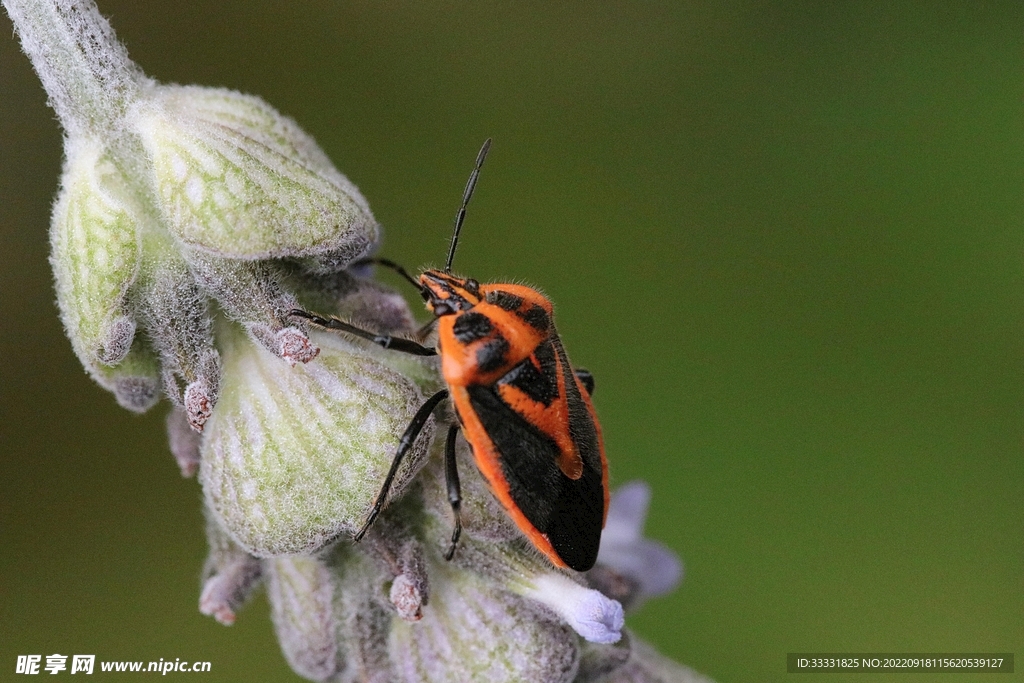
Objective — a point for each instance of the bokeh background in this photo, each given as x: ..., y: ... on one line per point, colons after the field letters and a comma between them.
x: 787, y: 238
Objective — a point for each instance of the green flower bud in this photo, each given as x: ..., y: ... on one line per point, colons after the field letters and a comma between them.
x: 294, y: 455
x: 95, y: 254
x: 238, y: 179
x: 174, y: 198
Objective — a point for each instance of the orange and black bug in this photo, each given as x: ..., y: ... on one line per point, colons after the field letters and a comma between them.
x: 526, y: 414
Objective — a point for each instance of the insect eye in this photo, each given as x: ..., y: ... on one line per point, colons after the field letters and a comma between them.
x: 473, y: 286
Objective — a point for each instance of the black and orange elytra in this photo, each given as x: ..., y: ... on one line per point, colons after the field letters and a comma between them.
x: 526, y: 414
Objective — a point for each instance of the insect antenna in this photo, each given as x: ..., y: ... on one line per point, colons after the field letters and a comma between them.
x: 461, y: 215
x: 388, y: 263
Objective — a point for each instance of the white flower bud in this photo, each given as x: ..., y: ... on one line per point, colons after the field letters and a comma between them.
x: 239, y: 180
x: 591, y: 614
x: 294, y: 455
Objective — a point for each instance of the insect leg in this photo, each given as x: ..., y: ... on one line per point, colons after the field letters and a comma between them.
x: 404, y: 444
x: 586, y: 379
x: 451, y: 479
x: 384, y: 340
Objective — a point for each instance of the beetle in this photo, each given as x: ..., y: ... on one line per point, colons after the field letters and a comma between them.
x: 526, y: 414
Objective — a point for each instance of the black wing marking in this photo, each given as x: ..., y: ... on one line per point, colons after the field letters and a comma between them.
x: 539, y: 385
x: 569, y: 512
x: 471, y: 326
x: 491, y: 354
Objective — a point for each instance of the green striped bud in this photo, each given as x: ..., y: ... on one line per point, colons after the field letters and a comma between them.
x: 293, y: 456
x: 95, y: 257
x: 238, y: 179
x: 95, y: 254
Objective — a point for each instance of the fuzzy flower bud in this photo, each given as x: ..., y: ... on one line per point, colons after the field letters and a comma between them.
x: 473, y: 632
x: 239, y: 180
x: 135, y: 381
x: 95, y: 254
x: 95, y: 258
x: 293, y: 456
x: 302, y: 591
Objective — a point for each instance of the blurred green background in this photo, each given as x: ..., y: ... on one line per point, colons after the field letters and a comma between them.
x: 787, y: 238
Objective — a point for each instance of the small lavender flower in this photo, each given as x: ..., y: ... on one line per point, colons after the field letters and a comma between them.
x: 189, y: 222
x: 631, y: 567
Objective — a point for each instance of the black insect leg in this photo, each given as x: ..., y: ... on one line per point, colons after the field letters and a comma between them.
x: 451, y: 478
x: 384, y: 340
x: 586, y: 379
x: 404, y: 444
